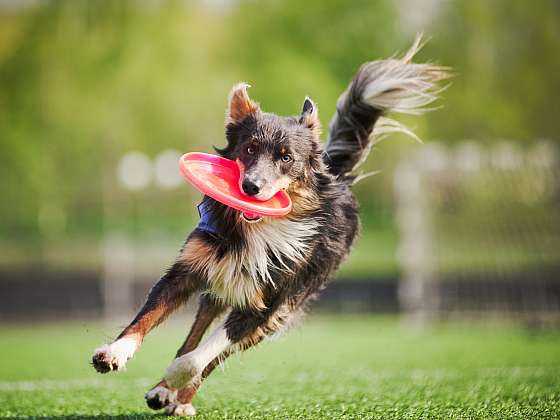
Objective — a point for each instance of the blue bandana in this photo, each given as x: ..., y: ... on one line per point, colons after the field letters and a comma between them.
x: 206, y: 222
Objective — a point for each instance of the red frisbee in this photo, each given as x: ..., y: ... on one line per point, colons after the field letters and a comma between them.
x: 218, y: 177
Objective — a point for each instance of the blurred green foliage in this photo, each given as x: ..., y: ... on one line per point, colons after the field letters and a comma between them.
x: 82, y: 83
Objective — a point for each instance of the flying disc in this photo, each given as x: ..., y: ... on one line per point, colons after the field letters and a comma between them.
x: 218, y: 177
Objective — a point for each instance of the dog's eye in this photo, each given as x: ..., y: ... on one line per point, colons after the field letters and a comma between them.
x: 286, y: 158
x: 250, y: 150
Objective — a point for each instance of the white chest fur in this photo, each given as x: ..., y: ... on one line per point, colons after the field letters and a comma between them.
x: 238, y: 277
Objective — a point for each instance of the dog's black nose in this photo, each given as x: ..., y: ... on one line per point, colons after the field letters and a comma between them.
x: 250, y: 188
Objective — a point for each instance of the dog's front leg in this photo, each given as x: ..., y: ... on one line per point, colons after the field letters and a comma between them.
x: 168, y: 294
x: 241, y: 329
x: 188, y: 368
x: 182, y: 400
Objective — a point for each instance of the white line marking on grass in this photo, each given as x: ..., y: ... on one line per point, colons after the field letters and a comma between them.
x: 71, y: 384
x: 371, y: 374
x: 419, y: 375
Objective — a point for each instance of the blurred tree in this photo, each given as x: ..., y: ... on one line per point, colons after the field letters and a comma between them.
x: 505, y: 55
x: 82, y: 83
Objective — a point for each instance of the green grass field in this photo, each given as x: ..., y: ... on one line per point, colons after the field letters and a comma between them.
x: 331, y: 367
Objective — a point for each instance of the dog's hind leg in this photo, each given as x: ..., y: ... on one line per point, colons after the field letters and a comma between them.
x: 174, y: 288
x: 209, y: 308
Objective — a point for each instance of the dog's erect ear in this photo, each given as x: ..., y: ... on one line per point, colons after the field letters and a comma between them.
x: 240, y: 105
x: 310, y: 115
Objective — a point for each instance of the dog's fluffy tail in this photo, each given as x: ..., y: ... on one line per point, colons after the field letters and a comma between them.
x: 396, y: 85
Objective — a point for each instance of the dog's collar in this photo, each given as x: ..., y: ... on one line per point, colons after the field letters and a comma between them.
x: 206, y: 222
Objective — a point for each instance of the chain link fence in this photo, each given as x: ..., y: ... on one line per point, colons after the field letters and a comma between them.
x: 480, y: 231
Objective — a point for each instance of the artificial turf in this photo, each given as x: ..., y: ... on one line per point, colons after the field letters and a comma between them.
x: 331, y: 367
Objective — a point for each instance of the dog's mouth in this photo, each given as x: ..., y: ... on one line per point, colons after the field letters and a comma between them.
x: 250, y: 217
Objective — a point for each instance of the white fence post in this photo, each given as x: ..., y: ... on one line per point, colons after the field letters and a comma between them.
x: 417, y: 292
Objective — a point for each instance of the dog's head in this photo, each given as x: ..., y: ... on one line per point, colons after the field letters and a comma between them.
x: 272, y: 152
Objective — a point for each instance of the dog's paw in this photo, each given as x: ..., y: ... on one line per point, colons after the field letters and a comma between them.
x: 160, y: 397
x: 113, y: 357
x: 102, y: 360
x: 180, y: 410
x: 182, y: 371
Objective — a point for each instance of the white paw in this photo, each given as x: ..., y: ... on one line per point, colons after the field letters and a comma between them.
x: 180, y: 410
x: 114, y: 356
x: 183, y: 370
x: 160, y: 397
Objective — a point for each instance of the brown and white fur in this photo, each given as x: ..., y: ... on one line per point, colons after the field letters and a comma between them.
x: 258, y: 275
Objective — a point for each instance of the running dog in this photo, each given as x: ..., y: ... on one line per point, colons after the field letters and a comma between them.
x: 258, y: 275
